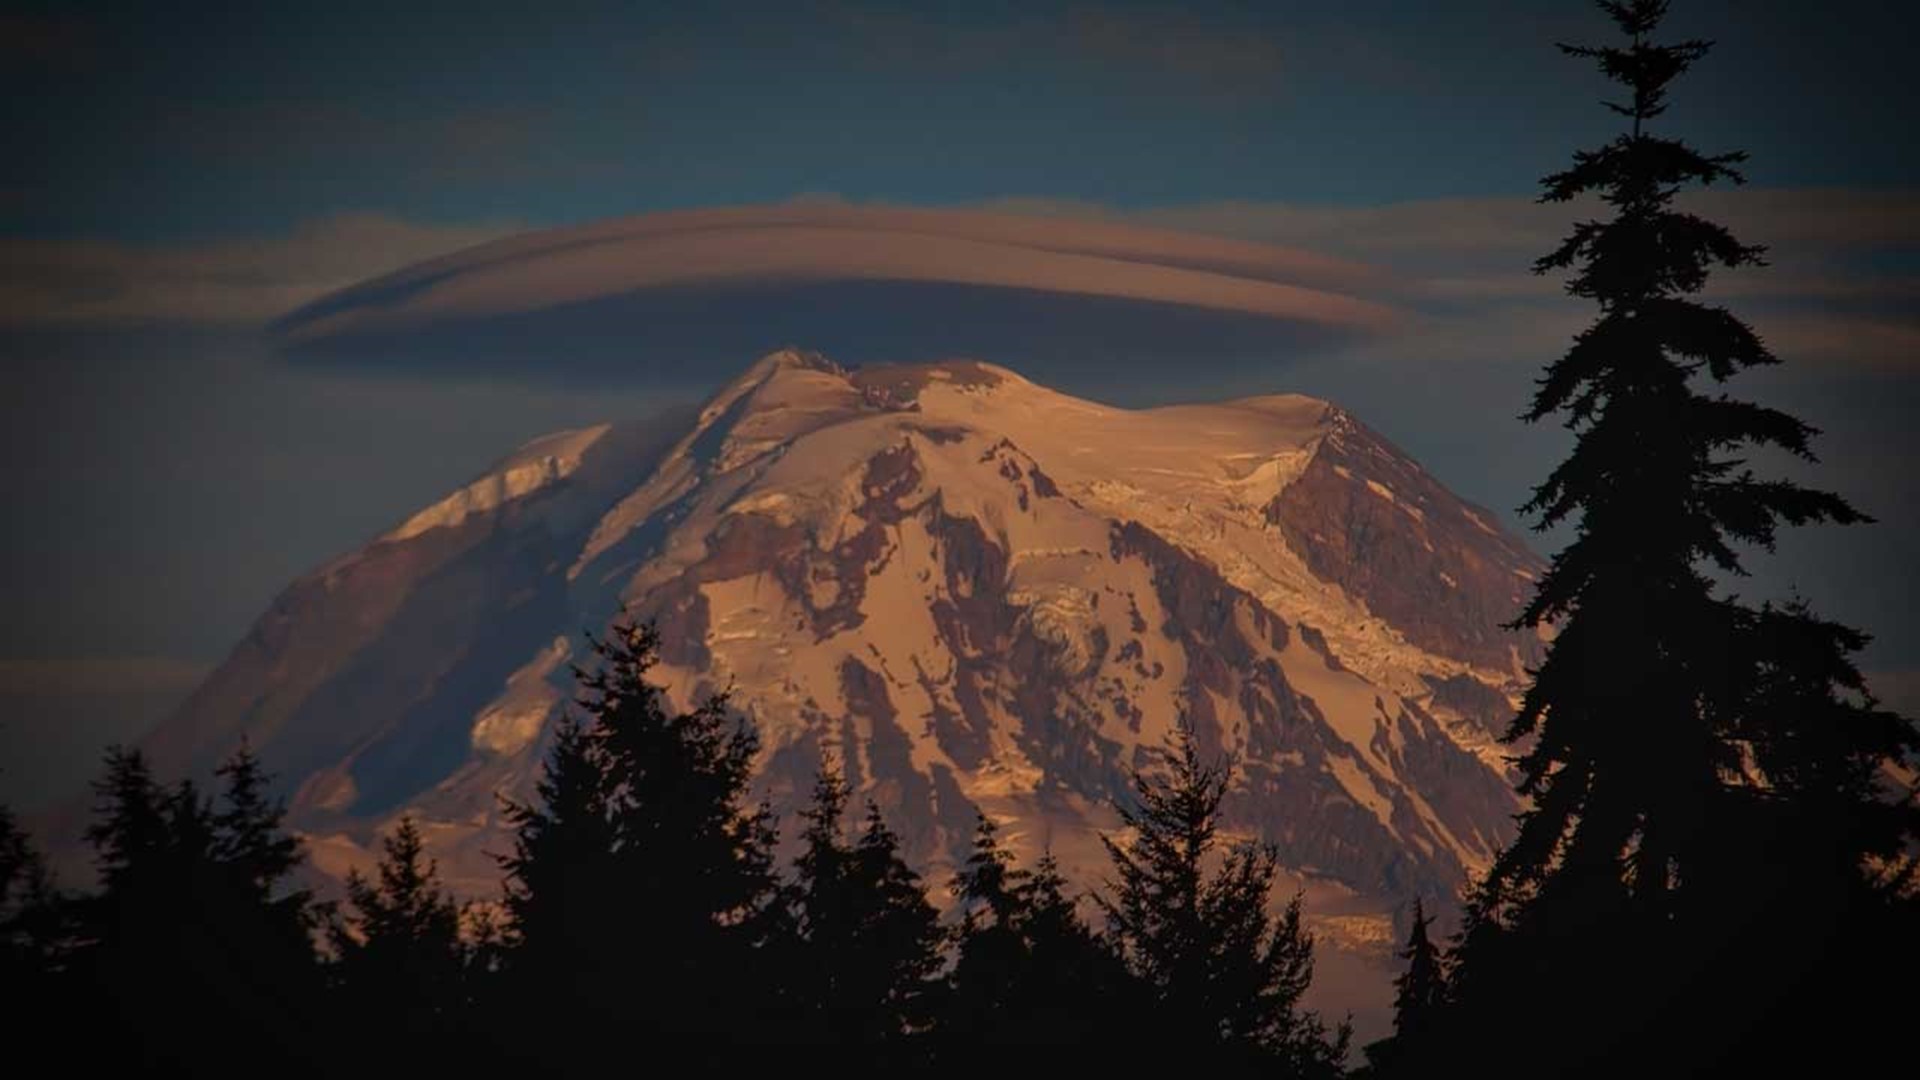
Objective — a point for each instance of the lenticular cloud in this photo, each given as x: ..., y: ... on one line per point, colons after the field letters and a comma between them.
x: 655, y: 293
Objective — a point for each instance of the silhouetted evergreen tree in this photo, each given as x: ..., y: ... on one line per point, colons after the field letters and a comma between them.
x: 1192, y: 920
x: 32, y: 929
x: 862, y: 971
x: 1027, y: 970
x: 1675, y: 741
x: 20, y: 865
x: 640, y: 881
x: 1420, y: 989
x: 24, y: 890
x: 1420, y: 992
x: 400, y: 969
x: 271, y: 918
x: 249, y: 835
x: 195, y: 951
x: 900, y: 931
x: 1816, y: 858
x: 991, y: 952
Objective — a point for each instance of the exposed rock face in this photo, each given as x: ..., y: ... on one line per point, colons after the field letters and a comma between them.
x: 1369, y: 520
x: 976, y: 593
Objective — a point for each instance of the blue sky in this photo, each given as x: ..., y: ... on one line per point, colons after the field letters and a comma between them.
x: 165, y: 122
x: 179, y: 175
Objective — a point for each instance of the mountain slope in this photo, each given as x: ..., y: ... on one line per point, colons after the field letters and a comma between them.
x: 977, y: 592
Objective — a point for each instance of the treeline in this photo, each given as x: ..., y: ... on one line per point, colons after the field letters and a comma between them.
x: 647, y: 922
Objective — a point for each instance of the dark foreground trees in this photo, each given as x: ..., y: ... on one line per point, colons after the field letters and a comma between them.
x: 405, y: 977
x: 1703, y: 880
x: 641, y: 882
x: 30, y: 927
x: 1193, y: 923
x: 196, y: 956
x: 1028, y: 971
x: 643, y: 921
x: 859, y: 968
x: 1419, y: 999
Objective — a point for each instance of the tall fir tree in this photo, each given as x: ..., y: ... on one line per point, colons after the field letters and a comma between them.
x: 1659, y: 740
x: 1027, y: 970
x: 401, y: 970
x: 1420, y: 988
x: 987, y: 987
x: 560, y: 838
x: 273, y: 917
x: 641, y: 880
x: 21, y: 870
x: 1419, y: 996
x: 26, y: 897
x: 196, y: 944
x: 862, y: 971
x: 251, y: 837
x: 901, y: 934
x: 33, y: 929
x: 1191, y: 916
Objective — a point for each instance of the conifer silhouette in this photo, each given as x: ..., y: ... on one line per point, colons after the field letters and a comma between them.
x: 1420, y: 992
x: 1027, y: 971
x: 862, y: 970
x: 991, y: 951
x: 640, y: 881
x: 33, y: 931
x: 1421, y: 988
x: 400, y: 967
x: 21, y: 870
x: 1224, y: 977
x: 195, y: 944
x: 274, y: 917
x: 1684, y: 755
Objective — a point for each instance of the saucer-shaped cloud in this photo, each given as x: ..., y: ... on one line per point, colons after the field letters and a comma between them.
x: 668, y: 293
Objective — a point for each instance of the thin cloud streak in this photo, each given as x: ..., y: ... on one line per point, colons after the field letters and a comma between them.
x: 1816, y: 219
x: 1463, y: 263
x: 86, y: 283
x: 99, y: 675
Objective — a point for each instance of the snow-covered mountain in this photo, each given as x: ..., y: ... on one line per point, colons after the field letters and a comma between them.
x: 980, y: 593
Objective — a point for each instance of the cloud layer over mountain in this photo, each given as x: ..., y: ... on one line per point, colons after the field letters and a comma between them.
x: 655, y: 293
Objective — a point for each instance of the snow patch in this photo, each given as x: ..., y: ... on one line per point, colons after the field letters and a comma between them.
x: 541, y: 463
x: 1386, y: 493
x: 515, y: 719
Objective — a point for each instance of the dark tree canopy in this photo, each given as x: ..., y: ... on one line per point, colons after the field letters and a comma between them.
x: 1421, y: 987
x: 640, y: 878
x: 1191, y: 918
x: 195, y: 918
x: 1697, y: 769
x: 1626, y: 715
x: 1419, y: 999
x: 31, y: 924
x: 862, y: 968
x: 1027, y: 971
x: 400, y: 965
x: 643, y: 924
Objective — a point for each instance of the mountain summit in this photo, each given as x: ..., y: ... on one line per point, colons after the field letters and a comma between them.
x: 978, y: 593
